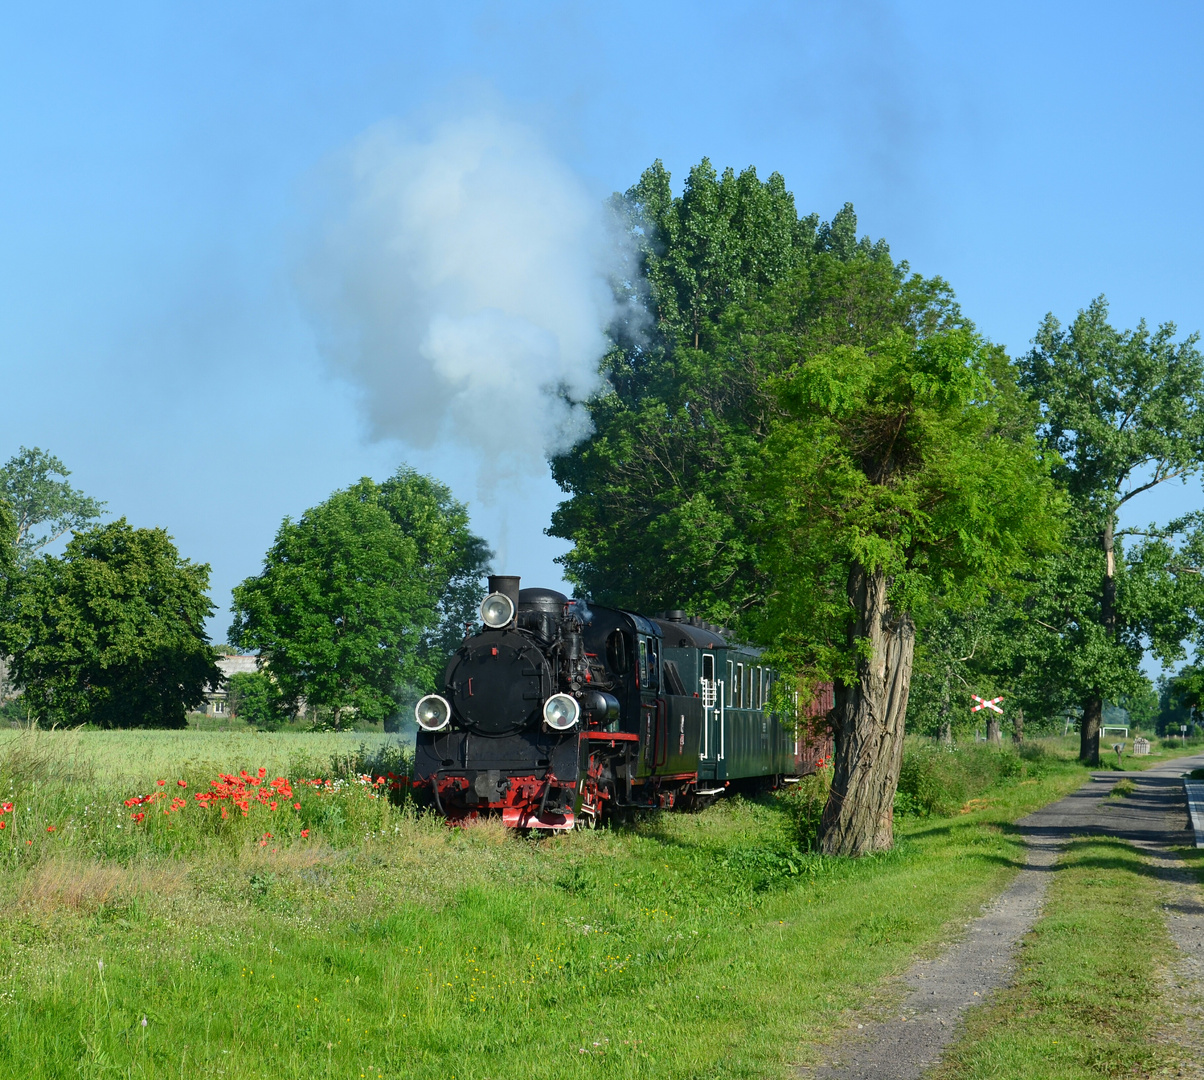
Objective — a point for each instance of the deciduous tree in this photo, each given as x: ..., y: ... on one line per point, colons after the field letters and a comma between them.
x: 112, y: 633
x: 46, y: 507
x: 363, y: 596
x: 1125, y: 412
x: 894, y: 480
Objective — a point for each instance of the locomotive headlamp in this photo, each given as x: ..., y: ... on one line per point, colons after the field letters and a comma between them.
x: 433, y: 713
x: 497, y: 610
x: 561, y: 712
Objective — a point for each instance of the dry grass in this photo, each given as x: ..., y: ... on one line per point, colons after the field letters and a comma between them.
x: 86, y: 887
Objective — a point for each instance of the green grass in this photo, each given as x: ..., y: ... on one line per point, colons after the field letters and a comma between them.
x: 384, y: 944
x: 1088, y: 998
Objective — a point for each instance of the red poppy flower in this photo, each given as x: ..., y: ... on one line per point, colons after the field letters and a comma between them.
x: 3, y: 824
x: 182, y: 783
x: 50, y: 828
x: 7, y: 808
x: 160, y: 782
x: 304, y: 833
x: 138, y: 817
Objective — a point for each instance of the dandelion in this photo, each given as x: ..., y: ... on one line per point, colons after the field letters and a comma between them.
x: 144, y: 1021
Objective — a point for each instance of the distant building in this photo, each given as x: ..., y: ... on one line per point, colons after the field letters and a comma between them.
x: 215, y: 696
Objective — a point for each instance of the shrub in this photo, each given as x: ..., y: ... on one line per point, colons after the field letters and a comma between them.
x: 934, y: 780
x: 804, y: 805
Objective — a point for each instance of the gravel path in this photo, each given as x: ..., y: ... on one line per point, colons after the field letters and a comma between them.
x: 1153, y: 818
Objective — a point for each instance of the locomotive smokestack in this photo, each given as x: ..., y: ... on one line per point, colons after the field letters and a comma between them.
x: 506, y: 585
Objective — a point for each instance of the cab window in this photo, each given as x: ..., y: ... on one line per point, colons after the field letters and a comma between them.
x: 643, y: 661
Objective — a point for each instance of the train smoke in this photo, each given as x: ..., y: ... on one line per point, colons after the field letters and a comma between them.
x: 462, y: 283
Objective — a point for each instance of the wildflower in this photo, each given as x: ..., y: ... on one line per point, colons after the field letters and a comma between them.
x: 144, y: 1021
x: 304, y: 833
x: 138, y: 817
x: 182, y: 783
x: 50, y: 828
x: 6, y: 808
x: 296, y: 806
x: 160, y: 782
x: 272, y: 805
x: 3, y: 824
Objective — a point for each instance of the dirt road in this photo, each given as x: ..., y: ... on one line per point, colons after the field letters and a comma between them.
x: 1153, y: 818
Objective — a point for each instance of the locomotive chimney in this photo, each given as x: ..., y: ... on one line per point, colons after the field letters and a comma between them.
x: 506, y: 585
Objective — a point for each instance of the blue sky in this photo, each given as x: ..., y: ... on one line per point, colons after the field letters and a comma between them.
x: 161, y: 167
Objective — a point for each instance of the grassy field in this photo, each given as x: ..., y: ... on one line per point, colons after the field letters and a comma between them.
x: 339, y: 935
x: 1089, y: 998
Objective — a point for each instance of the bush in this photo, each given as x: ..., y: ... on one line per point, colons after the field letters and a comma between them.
x: 934, y: 780
x: 804, y: 806
x: 254, y: 699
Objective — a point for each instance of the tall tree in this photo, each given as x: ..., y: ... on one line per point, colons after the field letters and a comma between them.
x: 659, y: 509
x: 363, y: 597
x: 112, y: 633
x: 1125, y: 411
x: 894, y: 479
x: 46, y: 507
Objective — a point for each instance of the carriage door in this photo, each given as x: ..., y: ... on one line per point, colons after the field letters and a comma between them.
x: 710, y: 709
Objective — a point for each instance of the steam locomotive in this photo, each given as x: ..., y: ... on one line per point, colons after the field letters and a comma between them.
x: 558, y: 712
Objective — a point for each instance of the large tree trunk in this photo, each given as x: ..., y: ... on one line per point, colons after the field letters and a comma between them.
x: 1018, y: 727
x: 994, y: 735
x: 1093, y: 716
x: 868, y: 720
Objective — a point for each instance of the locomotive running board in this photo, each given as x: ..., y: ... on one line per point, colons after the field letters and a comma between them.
x: 710, y: 791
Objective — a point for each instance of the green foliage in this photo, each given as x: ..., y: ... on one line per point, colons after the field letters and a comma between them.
x: 938, y: 781
x: 112, y: 633
x: 660, y: 512
x: 253, y: 698
x: 364, y: 596
x: 1124, y: 412
x: 45, y: 508
x: 900, y: 457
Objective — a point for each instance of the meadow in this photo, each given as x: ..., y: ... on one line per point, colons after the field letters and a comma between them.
x: 297, y: 921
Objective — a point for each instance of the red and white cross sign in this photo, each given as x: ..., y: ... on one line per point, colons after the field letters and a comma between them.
x: 983, y: 703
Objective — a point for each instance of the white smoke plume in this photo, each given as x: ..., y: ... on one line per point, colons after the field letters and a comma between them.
x: 462, y: 283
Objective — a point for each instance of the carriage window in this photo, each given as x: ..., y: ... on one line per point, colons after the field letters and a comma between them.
x: 739, y: 686
x: 708, y: 681
x: 756, y: 700
x: 746, y: 693
x: 730, y: 684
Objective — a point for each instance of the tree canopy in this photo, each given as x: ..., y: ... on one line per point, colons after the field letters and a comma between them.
x: 659, y: 509
x: 1124, y: 412
x: 45, y: 508
x: 363, y: 597
x: 112, y: 632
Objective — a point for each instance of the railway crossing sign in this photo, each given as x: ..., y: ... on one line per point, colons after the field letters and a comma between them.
x: 985, y: 703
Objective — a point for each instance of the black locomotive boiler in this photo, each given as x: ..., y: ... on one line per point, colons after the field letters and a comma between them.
x: 558, y: 711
